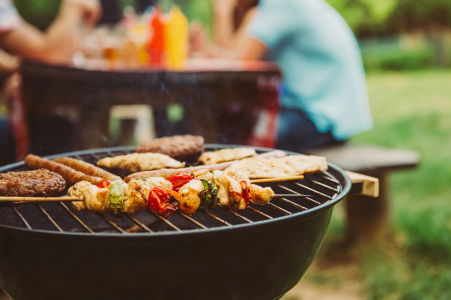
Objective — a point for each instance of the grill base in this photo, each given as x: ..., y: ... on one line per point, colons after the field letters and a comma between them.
x: 252, y: 264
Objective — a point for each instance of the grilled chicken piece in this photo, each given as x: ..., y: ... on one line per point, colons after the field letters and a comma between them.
x: 75, y: 191
x: 239, y: 176
x: 259, y: 195
x: 214, y: 157
x: 96, y: 199
x: 135, y: 196
x: 229, y: 191
x: 137, y: 162
x: 203, y: 174
x: 189, y: 199
x: 159, y: 181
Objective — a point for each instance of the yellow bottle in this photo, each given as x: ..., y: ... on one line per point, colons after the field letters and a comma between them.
x: 176, y: 39
x: 139, y: 35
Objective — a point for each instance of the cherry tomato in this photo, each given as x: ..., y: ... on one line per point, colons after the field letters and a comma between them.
x: 104, y: 184
x: 179, y: 180
x: 245, y: 191
x: 160, y: 201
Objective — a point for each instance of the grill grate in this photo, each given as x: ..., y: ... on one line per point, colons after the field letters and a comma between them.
x: 323, y: 187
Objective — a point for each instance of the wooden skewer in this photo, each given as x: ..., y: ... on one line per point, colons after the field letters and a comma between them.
x: 277, y: 179
x: 31, y: 200
x: 290, y: 196
x: 38, y: 199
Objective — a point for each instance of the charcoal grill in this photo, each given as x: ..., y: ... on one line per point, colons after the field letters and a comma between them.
x: 50, y: 251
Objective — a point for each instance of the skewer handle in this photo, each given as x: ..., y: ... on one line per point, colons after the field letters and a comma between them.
x: 370, y: 185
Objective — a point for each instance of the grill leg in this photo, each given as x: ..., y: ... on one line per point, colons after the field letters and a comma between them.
x: 368, y: 219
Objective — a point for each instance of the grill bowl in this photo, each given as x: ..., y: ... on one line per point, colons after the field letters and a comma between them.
x: 262, y: 260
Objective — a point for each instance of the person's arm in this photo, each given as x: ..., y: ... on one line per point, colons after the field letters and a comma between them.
x: 8, y: 64
x: 240, y: 46
x: 57, y: 44
x: 223, y: 21
x: 224, y: 34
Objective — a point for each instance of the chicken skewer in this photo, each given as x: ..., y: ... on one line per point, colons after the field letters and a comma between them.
x: 117, y: 197
x: 205, y: 189
x: 233, y: 189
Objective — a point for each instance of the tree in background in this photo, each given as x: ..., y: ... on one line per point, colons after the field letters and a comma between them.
x: 39, y: 13
x: 369, y: 18
x: 411, y: 15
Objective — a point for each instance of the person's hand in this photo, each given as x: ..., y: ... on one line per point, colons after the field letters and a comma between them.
x: 89, y: 10
x: 224, y: 7
x: 197, y: 36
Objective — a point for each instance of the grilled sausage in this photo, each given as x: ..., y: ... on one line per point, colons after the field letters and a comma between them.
x: 168, y: 172
x: 86, y: 168
x: 70, y: 175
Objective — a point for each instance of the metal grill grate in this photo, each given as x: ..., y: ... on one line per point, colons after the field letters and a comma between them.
x: 322, y: 187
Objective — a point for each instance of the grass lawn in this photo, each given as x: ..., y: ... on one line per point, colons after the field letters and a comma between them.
x: 411, y: 111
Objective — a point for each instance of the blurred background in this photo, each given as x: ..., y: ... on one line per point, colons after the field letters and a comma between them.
x: 406, y: 51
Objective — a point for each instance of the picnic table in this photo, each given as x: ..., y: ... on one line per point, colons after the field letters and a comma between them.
x: 211, y: 92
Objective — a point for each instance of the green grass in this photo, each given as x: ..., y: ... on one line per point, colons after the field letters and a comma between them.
x: 413, y: 111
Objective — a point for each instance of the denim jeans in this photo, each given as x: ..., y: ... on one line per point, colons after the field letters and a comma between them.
x: 298, y: 133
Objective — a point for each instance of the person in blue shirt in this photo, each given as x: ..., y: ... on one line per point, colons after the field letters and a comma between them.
x: 324, y: 99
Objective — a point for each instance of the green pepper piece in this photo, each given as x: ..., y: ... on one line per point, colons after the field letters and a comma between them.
x: 202, y: 196
x: 205, y: 193
x: 214, y: 191
x: 116, y: 198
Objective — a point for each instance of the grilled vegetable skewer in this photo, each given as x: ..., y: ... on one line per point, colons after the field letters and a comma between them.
x: 118, y: 197
x: 202, y: 189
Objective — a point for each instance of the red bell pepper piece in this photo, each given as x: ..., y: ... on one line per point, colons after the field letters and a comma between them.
x: 179, y: 180
x: 104, y: 184
x: 245, y: 192
x: 160, y: 201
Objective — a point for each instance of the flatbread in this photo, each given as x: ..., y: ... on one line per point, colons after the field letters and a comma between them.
x: 215, y: 157
x: 293, y: 165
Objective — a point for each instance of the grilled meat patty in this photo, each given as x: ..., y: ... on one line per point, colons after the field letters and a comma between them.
x: 41, y: 182
x: 178, y: 146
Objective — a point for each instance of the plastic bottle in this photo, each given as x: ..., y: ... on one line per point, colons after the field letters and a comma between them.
x: 176, y: 39
x: 155, y: 45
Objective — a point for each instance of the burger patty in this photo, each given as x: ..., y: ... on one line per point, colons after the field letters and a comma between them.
x: 40, y: 182
x: 178, y: 146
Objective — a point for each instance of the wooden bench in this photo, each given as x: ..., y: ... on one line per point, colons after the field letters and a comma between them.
x: 367, y: 218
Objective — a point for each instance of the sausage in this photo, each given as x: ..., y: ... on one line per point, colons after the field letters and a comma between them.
x: 70, y: 175
x: 86, y: 168
x: 222, y: 166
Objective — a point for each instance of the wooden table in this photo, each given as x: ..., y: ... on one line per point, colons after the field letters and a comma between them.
x: 208, y: 90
